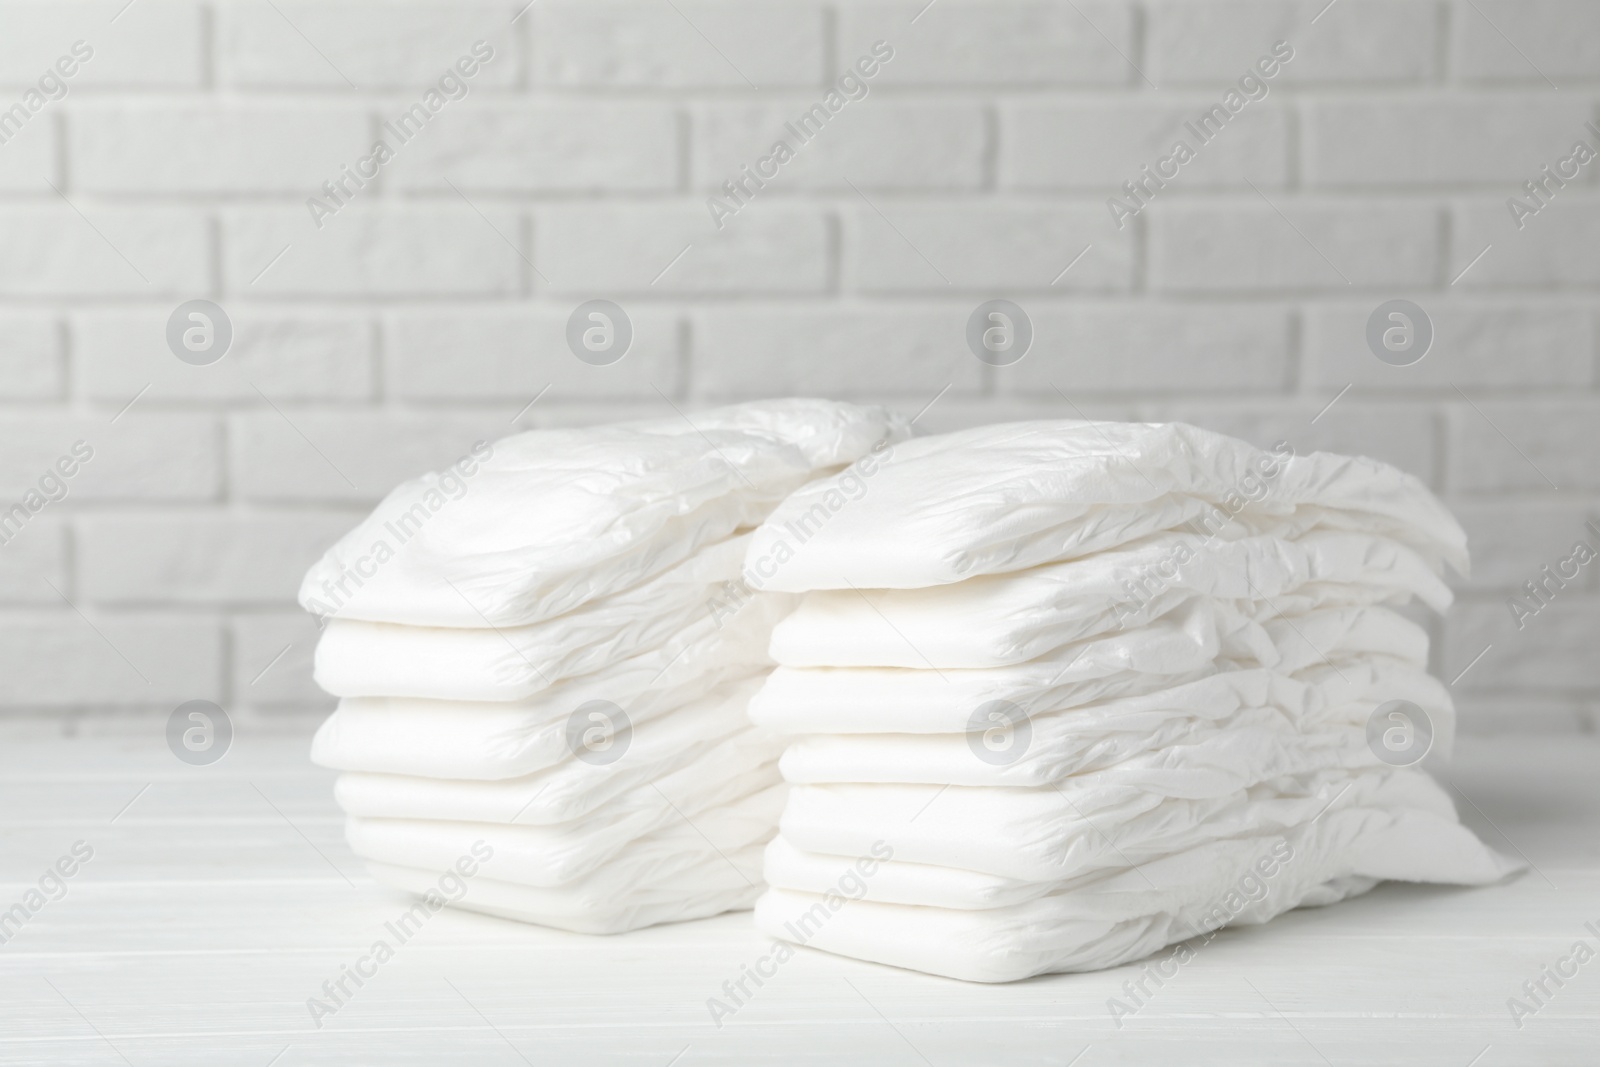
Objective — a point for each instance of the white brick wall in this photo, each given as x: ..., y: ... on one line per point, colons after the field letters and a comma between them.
x: 430, y: 310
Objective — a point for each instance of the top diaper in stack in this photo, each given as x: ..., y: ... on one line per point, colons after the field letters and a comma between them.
x: 544, y: 655
x: 1061, y: 693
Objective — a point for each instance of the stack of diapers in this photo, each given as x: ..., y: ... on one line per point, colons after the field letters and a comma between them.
x: 544, y: 656
x: 1061, y: 693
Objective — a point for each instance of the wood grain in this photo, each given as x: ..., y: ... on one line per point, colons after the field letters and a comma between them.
x: 221, y: 899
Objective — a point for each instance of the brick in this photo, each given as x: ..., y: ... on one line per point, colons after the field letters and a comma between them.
x: 152, y: 44
x: 568, y: 147
x: 1498, y: 446
x: 32, y: 365
x: 272, y: 659
x: 1144, y: 348
x: 201, y: 559
x: 1495, y: 716
x: 961, y: 42
x: 1207, y: 41
x: 141, y: 456
x: 58, y: 659
x: 877, y: 143
x: 365, y: 251
x: 1553, y: 250
x: 287, y: 355
x: 406, y: 327
x: 904, y: 352
x: 1249, y: 245
x: 1511, y: 540
x: 1501, y: 345
x: 898, y: 246
x: 511, y: 354
x: 213, y: 148
x: 602, y: 43
x: 28, y: 151
x: 1553, y: 651
x: 606, y: 249
x: 53, y: 251
x: 558, y: 415
x: 1399, y: 434
x: 372, y: 43
x: 1483, y: 140
x: 1099, y: 145
x: 293, y: 454
x: 32, y: 559
x: 954, y: 413
x: 1557, y: 39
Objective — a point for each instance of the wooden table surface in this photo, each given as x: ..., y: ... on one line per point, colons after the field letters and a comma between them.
x: 219, y: 899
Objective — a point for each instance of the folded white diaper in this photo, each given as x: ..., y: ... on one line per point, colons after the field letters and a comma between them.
x: 633, y: 637
x: 1017, y: 495
x: 1217, y: 728
x: 548, y: 650
x: 1000, y: 619
x: 543, y: 522
x: 1059, y: 694
x: 707, y: 769
x: 645, y: 843
x: 608, y: 902
x: 487, y: 742
x: 991, y: 928
x: 1048, y: 696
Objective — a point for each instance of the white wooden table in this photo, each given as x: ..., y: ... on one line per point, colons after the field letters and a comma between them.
x: 220, y: 900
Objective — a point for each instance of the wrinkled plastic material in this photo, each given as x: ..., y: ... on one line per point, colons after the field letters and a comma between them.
x: 555, y: 519
x: 480, y: 615
x: 1060, y: 694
